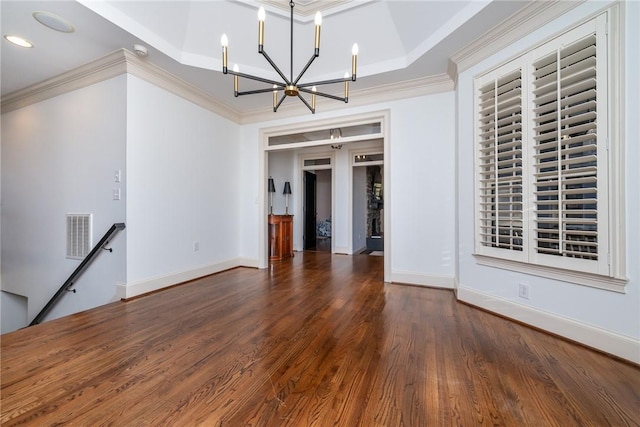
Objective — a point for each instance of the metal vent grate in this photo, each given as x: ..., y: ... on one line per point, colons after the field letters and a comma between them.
x: 79, y: 235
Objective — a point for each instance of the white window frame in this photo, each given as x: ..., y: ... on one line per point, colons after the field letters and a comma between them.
x: 365, y: 152
x: 608, y: 272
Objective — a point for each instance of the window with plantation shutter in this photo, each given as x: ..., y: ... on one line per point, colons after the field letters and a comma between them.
x: 565, y: 141
x: 543, y: 153
x: 500, y: 162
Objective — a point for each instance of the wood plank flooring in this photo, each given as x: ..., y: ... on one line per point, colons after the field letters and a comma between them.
x: 317, y: 340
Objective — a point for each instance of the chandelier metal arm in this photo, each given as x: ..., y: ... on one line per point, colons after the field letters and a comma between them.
x: 289, y: 86
x: 326, y: 95
x: 256, y: 78
x: 291, y: 5
x: 275, y: 107
x: 325, y: 82
x: 253, y: 92
x: 275, y: 67
x: 307, y: 104
x: 313, y: 57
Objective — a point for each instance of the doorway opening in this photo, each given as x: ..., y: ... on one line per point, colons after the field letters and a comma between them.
x: 368, y: 203
x: 317, y: 210
x: 315, y: 138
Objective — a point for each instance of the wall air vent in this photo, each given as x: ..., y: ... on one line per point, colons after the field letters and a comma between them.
x: 79, y: 232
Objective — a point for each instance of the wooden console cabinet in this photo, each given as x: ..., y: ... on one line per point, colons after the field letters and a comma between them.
x: 280, y: 237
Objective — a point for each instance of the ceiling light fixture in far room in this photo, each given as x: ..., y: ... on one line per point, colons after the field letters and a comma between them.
x: 18, y: 41
x: 54, y: 22
x: 289, y: 86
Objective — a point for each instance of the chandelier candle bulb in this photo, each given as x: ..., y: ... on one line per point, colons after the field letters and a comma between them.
x: 318, y: 24
x: 235, y: 80
x: 313, y: 99
x: 346, y: 88
x: 224, y: 41
x: 275, y: 97
x: 291, y: 86
x: 354, y: 61
x: 261, y: 17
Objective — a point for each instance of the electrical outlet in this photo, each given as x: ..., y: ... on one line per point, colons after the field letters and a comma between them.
x: 523, y: 291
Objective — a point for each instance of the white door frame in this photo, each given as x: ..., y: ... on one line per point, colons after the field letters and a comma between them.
x: 353, y: 164
x: 300, y: 200
x: 264, y: 133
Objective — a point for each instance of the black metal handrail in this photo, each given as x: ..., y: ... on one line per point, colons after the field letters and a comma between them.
x: 78, y: 271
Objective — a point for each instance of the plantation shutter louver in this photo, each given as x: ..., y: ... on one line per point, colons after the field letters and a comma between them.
x: 500, y: 163
x: 548, y: 163
x: 565, y: 142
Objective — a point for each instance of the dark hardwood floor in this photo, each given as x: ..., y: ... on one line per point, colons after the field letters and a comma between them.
x: 323, y: 244
x: 317, y: 340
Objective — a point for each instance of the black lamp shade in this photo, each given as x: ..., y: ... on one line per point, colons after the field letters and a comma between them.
x: 272, y: 186
x: 287, y: 188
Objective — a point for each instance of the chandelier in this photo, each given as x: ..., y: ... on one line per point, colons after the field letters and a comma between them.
x: 289, y: 86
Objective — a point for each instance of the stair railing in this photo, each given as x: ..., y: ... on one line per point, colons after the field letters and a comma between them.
x: 78, y: 271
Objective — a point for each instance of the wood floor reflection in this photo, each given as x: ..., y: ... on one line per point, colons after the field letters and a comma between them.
x: 317, y: 340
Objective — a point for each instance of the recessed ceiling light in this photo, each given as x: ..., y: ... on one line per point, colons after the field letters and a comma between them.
x: 19, y: 41
x: 54, y: 22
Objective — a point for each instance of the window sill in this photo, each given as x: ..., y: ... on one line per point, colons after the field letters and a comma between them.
x: 586, y: 279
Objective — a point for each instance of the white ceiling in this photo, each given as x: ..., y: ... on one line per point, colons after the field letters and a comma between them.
x: 398, y: 40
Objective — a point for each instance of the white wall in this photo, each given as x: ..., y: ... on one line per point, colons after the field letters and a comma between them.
x: 340, y: 230
x: 421, y: 163
x: 282, y: 169
x: 600, y: 318
x: 183, y: 189
x: 323, y: 194
x: 13, y: 312
x: 59, y: 157
x: 250, y: 194
x: 423, y: 191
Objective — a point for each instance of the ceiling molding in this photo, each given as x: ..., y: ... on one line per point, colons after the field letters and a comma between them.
x: 520, y: 24
x: 358, y: 97
x: 305, y: 10
x: 107, y: 67
x: 452, y: 71
x: 171, y: 83
x: 114, y: 64
x: 122, y: 61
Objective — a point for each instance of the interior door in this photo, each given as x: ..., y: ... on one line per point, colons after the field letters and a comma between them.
x: 309, y: 236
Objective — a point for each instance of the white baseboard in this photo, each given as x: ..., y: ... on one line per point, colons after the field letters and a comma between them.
x: 610, y: 342
x: 130, y: 290
x: 433, y: 281
x: 343, y: 250
x: 248, y: 262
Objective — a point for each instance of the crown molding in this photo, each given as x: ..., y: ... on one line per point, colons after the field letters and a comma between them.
x: 122, y: 61
x: 359, y: 97
x: 171, y: 83
x: 452, y: 71
x: 114, y: 64
x: 305, y: 10
x: 104, y: 68
x: 518, y: 25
